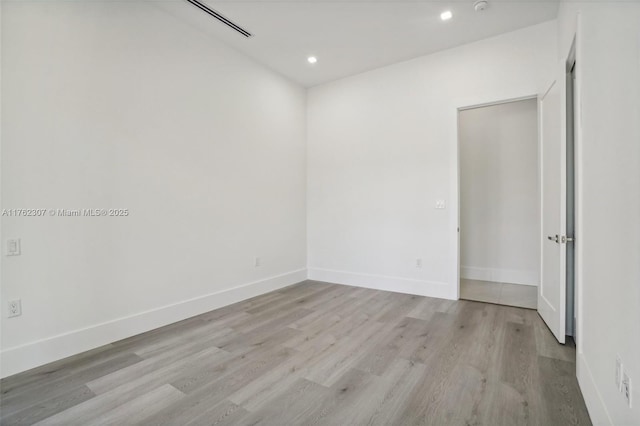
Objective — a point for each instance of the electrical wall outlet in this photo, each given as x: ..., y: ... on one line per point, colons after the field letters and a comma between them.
x: 13, y: 247
x: 440, y: 204
x: 15, y: 308
x: 618, y: 373
x: 418, y: 263
x: 626, y: 388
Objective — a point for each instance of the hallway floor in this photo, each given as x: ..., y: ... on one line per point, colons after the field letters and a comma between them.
x: 521, y: 296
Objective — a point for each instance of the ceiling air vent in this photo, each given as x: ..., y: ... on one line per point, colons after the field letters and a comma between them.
x: 219, y: 17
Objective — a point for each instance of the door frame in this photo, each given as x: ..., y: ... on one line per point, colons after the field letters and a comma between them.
x: 458, y: 183
x: 573, y: 55
x: 571, y: 193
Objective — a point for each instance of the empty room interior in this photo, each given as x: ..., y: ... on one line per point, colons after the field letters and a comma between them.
x: 320, y: 212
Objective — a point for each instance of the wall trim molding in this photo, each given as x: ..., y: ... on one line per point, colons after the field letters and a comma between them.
x: 593, y: 399
x: 437, y: 289
x: 511, y: 276
x: 33, y: 354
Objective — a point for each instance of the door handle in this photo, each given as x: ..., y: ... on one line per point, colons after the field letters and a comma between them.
x: 560, y: 240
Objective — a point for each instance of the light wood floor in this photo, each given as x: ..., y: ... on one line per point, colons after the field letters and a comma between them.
x: 522, y: 296
x: 316, y: 353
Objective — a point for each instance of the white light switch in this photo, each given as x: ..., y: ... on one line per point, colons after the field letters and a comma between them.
x: 13, y: 247
x: 440, y: 204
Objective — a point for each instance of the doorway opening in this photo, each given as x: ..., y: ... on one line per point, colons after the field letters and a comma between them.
x: 499, y: 203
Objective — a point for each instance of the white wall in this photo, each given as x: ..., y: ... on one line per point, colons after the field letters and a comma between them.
x: 608, y: 234
x: 499, y: 197
x: 382, y: 148
x: 119, y: 105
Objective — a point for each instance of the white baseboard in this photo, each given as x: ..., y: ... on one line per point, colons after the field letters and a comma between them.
x: 33, y: 354
x: 511, y: 276
x: 380, y: 282
x: 592, y: 398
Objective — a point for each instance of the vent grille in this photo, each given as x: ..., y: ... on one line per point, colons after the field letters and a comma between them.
x: 220, y: 18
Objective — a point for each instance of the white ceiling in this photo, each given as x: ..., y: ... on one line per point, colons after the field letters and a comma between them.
x: 352, y: 36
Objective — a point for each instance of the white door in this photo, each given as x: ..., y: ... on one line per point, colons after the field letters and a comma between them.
x: 552, y: 289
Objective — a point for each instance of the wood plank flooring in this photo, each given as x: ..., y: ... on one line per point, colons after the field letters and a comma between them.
x: 316, y: 354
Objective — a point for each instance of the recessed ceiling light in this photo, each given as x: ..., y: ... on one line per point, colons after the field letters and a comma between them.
x: 312, y: 59
x: 445, y: 16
